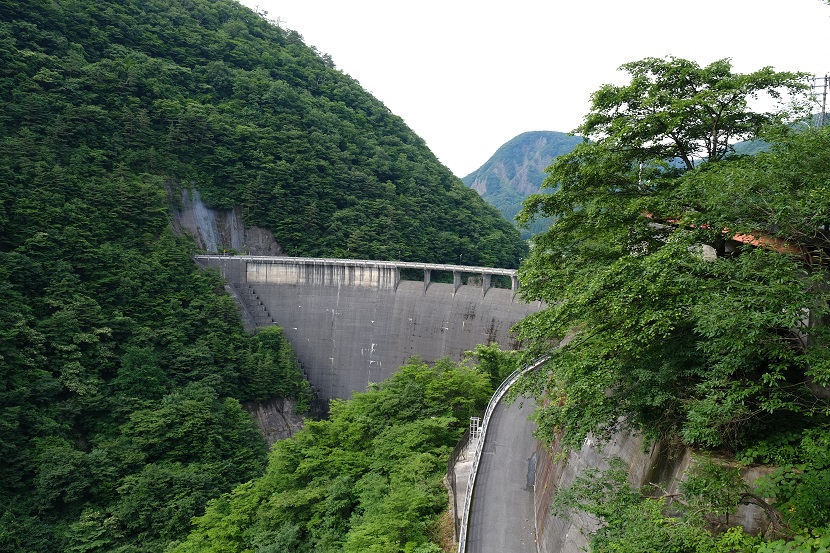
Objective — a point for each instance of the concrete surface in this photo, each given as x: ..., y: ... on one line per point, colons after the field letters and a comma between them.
x: 352, y: 323
x: 502, y: 511
x: 462, y: 474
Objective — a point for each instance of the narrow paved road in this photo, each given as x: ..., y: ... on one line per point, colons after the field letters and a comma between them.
x: 501, y: 514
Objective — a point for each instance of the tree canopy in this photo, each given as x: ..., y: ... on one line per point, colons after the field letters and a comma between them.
x: 688, y: 302
x: 366, y: 480
x: 661, y: 336
x: 673, y: 109
x: 210, y: 95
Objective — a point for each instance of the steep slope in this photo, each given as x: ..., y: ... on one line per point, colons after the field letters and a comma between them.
x: 209, y: 95
x: 122, y: 366
x: 517, y: 169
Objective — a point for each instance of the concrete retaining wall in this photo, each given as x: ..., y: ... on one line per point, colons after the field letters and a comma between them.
x: 364, y: 276
x: 355, y: 322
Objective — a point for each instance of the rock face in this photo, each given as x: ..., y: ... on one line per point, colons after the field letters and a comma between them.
x: 221, y: 230
x: 654, y: 464
x: 276, y: 418
x: 558, y: 534
x: 520, y: 163
x: 517, y: 169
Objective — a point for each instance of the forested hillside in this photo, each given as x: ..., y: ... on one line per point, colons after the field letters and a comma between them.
x: 208, y: 94
x: 692, y: 284
x: 366, y: 480
x: 123, y: 367
x: 517, y: 169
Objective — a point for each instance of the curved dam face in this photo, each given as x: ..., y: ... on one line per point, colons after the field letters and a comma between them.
x: 352, y: 323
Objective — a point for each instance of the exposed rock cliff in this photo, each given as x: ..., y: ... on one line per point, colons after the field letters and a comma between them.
x: 221, y: 230
x: 655, y: 464
x: 275, y: 418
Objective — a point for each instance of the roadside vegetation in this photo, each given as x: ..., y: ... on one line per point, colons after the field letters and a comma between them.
x: 693, y: 286
x: 367, y: 480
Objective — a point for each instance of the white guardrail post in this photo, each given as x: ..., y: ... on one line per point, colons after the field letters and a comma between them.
x: 494, y: 401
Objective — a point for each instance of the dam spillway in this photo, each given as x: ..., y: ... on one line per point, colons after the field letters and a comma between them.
x: 355, y: 322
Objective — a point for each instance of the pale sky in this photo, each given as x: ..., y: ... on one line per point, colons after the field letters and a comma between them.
x: 467, y: 76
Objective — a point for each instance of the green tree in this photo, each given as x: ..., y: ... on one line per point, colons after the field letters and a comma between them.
x: 366, y: 479
x: 635, y: 521
x: 660, y: 337
x: 675, y: 109
x: 271, y: 369
x: 498, y: 363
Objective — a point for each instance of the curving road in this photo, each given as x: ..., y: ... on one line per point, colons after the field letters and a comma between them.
x: 501, y: 514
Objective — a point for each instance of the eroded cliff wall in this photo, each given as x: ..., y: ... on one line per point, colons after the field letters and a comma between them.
x: 276, y: 418
x: 655, y: 464
x: 220, y: 230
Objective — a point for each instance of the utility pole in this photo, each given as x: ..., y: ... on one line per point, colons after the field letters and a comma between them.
x: 820, y: 89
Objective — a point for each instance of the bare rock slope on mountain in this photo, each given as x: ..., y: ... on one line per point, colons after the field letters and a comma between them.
x: 517, y: 169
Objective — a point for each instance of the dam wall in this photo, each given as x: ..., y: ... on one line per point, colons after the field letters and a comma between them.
x: 353, y: 323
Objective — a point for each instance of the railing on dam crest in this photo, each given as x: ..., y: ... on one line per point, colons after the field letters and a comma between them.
x: 353, y: 272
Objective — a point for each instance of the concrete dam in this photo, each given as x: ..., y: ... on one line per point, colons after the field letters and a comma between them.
x: 354, y: 322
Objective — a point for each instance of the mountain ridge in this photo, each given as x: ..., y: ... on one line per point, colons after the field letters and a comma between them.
x: 517, y: 169
x: 212, y: 96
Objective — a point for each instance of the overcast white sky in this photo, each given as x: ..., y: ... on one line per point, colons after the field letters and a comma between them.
x: 467, y: 76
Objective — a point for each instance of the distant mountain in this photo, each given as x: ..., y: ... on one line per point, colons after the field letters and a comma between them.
x: 517, y: 169
x: 751, y: 147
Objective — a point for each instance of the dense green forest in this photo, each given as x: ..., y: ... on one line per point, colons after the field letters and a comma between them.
x: 693, y: 285
x: 123, y: 367
x: 517, y: 170
x: 208, y: 94
x: 368, y: 479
